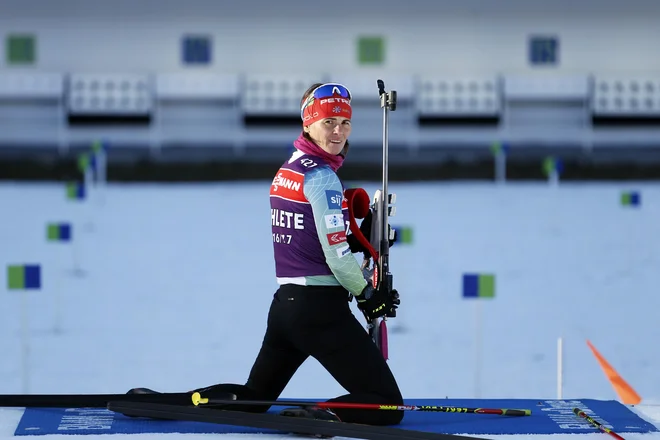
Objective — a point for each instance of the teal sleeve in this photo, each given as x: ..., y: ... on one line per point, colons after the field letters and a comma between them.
x: 321, y: 185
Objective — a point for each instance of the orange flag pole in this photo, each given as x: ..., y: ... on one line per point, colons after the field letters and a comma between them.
x: 625, y: 392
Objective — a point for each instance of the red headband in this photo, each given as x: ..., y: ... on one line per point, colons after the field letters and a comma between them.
x: 323, y: 108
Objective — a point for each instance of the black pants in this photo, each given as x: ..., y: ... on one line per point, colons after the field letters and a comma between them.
x: 317, y: 321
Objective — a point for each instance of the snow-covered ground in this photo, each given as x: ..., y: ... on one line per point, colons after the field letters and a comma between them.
x: 177, y: 280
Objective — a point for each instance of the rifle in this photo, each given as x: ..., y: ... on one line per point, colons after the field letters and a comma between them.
x: 380, y: 230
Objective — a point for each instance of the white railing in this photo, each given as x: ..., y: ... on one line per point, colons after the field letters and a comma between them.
x: 207, y: 109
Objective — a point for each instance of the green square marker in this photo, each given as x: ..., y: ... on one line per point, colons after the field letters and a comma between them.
x: 21, y: 49
x: 405, y: 235
x: 83, y: 162
x: 371, y: 50
x: 53, y: 232
x: 548, y: 165
x: 496, y: 148
x: 71, y: 190
x: 487, y: 286
x: 16, y: 277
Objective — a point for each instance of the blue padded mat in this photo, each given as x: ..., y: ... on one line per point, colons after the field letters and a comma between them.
x: 548, y: 417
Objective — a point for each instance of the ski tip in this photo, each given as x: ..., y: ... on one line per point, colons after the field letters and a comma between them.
x: 198, y: 399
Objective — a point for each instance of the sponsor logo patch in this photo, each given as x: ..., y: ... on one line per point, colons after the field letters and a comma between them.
x: 343, y: 251
x: 336, y: 237
x: 334, y: 221
x: 288, y: 185
x: 334, y: 199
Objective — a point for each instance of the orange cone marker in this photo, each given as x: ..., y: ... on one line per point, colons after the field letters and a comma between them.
x: 623, y: 390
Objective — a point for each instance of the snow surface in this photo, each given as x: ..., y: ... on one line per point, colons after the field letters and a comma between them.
x: 174, y: 282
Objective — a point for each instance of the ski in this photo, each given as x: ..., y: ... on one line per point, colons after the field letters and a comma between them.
x: 198, y: 399
x: 275, y: 422
x: 88, y: 400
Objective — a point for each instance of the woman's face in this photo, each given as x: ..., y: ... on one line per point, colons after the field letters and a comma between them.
x: 330, y: 133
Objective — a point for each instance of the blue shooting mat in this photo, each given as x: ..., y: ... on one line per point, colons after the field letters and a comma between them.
x: 548, y: 417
